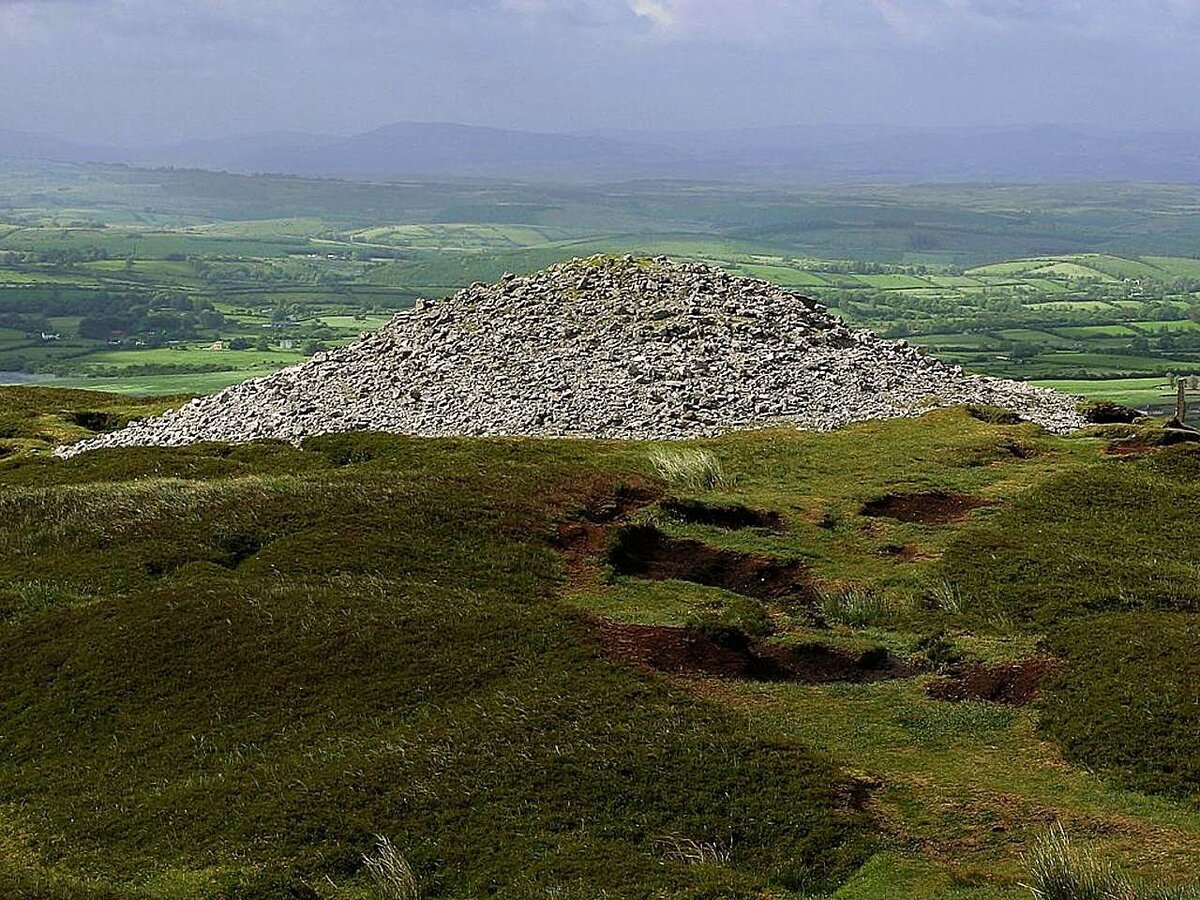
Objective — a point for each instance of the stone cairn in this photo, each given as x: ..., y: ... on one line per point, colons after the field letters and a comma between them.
x: 598, y: 348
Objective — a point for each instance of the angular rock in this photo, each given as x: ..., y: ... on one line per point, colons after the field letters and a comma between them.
x: 602, y: 348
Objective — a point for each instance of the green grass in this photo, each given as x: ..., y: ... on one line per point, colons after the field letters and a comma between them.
x: 1045, y: 285
x: 1186, y: 268
x: 970, y: 783
x: 1126, y: 705
x: 1089, y: 331
x: 194, y: 383
x: 1116, y: 585
x: 231, y: 359
x: 893, y: 282
x: 1126, y: 525
x: 355, y: 323
x: 1028, y: 334
x: 1118, y: 267
x: 1166, y: 327
x: 458, y: 236
x: 656, y: 602
x: 263, y: 657
x: 35, y: 419
x: 1136, y: 392
x: 266, y: 656
x: 1072, y: 270
x: 892, y: 873
x: 784, y: 275
x: 1005, y: 269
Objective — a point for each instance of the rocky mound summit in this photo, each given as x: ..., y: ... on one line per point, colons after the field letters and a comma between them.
x: 602, y: 348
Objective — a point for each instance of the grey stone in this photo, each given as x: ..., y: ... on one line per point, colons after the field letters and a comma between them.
x: 569, y: 351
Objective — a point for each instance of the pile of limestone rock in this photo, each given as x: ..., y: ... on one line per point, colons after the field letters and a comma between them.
x: 600, y: 348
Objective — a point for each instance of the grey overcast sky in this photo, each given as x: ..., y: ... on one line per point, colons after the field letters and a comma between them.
x: 161, y: 70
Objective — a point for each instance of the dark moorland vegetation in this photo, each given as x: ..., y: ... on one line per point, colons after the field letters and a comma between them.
x: 225, y: 670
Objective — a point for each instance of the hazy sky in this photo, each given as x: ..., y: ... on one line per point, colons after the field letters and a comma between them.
x: 124, y: 70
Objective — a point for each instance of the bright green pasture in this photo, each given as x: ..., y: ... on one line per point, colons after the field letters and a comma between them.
x: 1166, y: 327
x: 1137, y: 392
x: 232, y: 359
x: 156, y: 385
x: 1088, y: 331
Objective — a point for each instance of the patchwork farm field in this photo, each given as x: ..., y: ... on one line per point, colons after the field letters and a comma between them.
x: 149, y: 325
x: 140, y: 283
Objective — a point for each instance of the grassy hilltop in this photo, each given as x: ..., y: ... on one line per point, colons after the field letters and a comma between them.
x: 876, y: 662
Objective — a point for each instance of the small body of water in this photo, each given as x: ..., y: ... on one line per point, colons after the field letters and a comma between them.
x: 23, y: 378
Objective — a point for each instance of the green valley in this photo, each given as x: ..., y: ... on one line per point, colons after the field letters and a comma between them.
x: 165, y: 283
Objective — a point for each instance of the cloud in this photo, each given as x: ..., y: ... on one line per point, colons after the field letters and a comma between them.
x: 835, y: 23
x: 655, y: 11
x: 910, y: 23
x: 212, y: 66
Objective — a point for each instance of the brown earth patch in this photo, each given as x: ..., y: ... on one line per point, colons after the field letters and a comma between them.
x: 97, y: 421
x: 1016, y: 449
x: 1148, y: 443
x: 1015, y: 683
x: 1133, y: 447
x: 619, y: 503
x: 898, y: 552
x: 925, y: 507
x: 645, y: 552
x: 584, y: 537
x: 729, y: 653
x: 720, y: 515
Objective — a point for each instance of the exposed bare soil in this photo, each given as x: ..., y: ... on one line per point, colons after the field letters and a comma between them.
x: 728, y: 653
x: 925, y: 507
x: 96, y: 421
x: 1015, y: 684
x: 645, y: 552
x: 1141, y: 444
x: 584, y: 539
x: 720, y: 515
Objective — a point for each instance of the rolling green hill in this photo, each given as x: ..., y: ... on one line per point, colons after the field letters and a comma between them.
x: 773, y: 664
x: 201, y: 320
x: 117, y: 278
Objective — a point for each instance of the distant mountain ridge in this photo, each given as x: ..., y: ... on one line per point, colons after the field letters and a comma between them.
x: 29, y: 145
x: 411, y: 148
x: 801, y: 154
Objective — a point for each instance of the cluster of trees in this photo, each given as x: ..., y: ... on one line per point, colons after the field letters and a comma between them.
x: 154, y: 318
x: 293, y: 271
x: 55, y: 257
x: 308, y: 347
x: 862, y: 267
x: 1177, y: 340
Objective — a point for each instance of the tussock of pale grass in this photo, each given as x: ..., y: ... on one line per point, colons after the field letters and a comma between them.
x: 678, y: 848
x: 392, y: 877
x: 858, y: 607
x: 946, y: 597
x: 689, y: 467
x: 1060, y: 870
